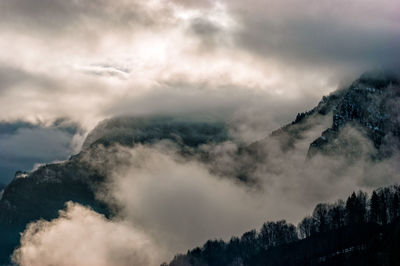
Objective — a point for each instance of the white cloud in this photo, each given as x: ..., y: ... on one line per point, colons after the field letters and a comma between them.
x: 137, y: 49
x: 254, y: 62
x: 180, y: 204
x: 167, y: 203
x: 80, y: 236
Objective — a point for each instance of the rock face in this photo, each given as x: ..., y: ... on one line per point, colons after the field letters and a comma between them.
x: 370, y: 105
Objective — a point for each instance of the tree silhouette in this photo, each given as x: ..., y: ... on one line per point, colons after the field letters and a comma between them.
x: 320, y: 216
x: 277, y: 233
x: 337, y: 215
x: 356, y: 208
x: 360, y: 231
x: 374, y: 208
x: 306, y: 227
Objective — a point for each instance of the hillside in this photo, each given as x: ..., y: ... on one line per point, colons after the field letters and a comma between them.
x: 358, y: 231
x: 42, y: 193
x: 369, y: 106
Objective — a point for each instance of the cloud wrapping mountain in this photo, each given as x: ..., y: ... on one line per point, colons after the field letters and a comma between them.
x: 80, y: 236
x: 250, y: 64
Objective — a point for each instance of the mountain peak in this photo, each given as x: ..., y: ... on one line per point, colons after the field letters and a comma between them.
x: 127, y: 130
x: 370, y: 104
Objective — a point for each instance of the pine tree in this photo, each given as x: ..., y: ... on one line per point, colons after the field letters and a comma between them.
x: 374, y: 208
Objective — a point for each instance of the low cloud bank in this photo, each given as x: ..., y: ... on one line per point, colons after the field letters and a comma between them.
x: 168, y: 201
x: 81, y: 236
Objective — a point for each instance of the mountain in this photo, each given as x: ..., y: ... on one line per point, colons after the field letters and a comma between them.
x: 369, y: 106
x: 41, y: 193
x: 147, y: 130
x: 2, y: 186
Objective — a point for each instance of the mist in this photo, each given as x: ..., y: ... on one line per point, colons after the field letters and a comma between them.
x: 81, y: 236
x: 178, y: 202
x: 251, y: 65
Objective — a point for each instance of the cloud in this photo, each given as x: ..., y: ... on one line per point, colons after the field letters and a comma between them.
x: 180, y: 202
x: 359, y: 34
x: 80, y: 236
x: 85, y: 60
x: 52, y: 18
x: 175, y: 202
x: 254, y: 64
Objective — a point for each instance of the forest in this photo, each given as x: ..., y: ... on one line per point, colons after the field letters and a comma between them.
x: 361, y: 230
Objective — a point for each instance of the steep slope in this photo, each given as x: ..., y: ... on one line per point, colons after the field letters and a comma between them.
x: 40, y: 194
x: 2, y: 186
x: 370, y: 105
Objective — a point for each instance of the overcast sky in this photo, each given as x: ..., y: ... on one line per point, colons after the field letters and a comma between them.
x: 265, y: 60
x: 87, y: 60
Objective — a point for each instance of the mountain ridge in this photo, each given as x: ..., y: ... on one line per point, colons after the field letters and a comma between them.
x: 365, y: 104
x: 41, y: 193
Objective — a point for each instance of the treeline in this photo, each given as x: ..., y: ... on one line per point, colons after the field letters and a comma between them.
x: 382, y: 208
x: 358, y: 211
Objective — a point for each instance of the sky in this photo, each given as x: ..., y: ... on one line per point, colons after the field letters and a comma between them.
x: 86, y: 61
x: 90, y: 60
x: 25, y: 146
x: 67, y: 65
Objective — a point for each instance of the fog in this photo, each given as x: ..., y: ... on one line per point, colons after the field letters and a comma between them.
x: 81, y: 236
x: 252, y: 64
x: 178, y: 202
x: 86, y: 62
